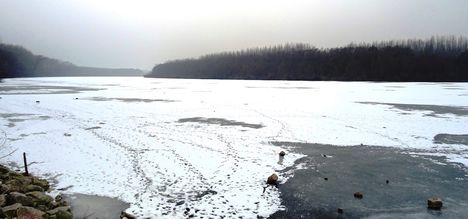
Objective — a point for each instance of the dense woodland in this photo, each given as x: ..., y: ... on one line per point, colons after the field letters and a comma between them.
x: 435, y: 59
x: 16, y: 61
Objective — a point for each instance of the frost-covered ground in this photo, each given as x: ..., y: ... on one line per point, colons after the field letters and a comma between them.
x: 166, y: 146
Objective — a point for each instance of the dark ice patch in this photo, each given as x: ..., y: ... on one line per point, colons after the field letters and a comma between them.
x: 295, y: 88
x: 454, y: 88
x: 221, y: 122
x: 435, y: 110
x: 42, y: 89
x: 11, y: 115
x: 35, y: 133
x: 92, y: 128
x: 128, y: 100
x: 44, y: 117
x: 284, y: 87
x: 14, y: 118
x: 451, y: 139
x: 395, y: 86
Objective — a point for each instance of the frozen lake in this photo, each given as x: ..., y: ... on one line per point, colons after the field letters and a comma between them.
x: 173, y: 147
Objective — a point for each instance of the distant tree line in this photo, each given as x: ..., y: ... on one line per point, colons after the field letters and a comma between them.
x: 443, y: 58
x: 15, y: 61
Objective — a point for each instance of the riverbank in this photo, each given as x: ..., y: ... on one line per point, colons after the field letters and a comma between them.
x: 25, y: 196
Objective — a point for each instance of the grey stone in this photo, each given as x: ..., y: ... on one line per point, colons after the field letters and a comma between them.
x: 358, y: 195
x: 4, y: 188
x: 55, y: 210
x: 3, y: 200
x: 42, y: 183
x: 16, y: 197
x: 10, y: 210
x: 273, y: 179
x: 40, y: 198
x: 434, y: 203
x: 32, y: 188
x: 29, y: 212
x: 58, y: 198
x: 63, y: 214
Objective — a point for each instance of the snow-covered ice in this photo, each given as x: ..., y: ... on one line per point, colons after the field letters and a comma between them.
x: 165, y: 145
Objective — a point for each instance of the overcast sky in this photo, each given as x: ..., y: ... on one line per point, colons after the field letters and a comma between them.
x: 142, y: 33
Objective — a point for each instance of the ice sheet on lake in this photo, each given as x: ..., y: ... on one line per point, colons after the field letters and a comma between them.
x: 208, y: 150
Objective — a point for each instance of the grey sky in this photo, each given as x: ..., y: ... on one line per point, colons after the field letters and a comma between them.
x: 142, y: 33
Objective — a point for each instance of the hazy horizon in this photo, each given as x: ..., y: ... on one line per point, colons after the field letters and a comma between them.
x: 142, y: 33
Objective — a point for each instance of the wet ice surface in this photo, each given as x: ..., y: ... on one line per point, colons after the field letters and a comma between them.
x: 177, y: 148
x: 395, y: 184
x: 93, y: 206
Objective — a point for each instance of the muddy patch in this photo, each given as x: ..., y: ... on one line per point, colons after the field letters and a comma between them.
x: 220, y: 121
x: 42, y: 89
x: 434, y: 110
x: 92, y: 206
x: 128, y: 100
x: 451, y: 139
x: 329, y: 183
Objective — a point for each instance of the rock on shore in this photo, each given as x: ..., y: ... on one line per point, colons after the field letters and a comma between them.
x: 24, y: 197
